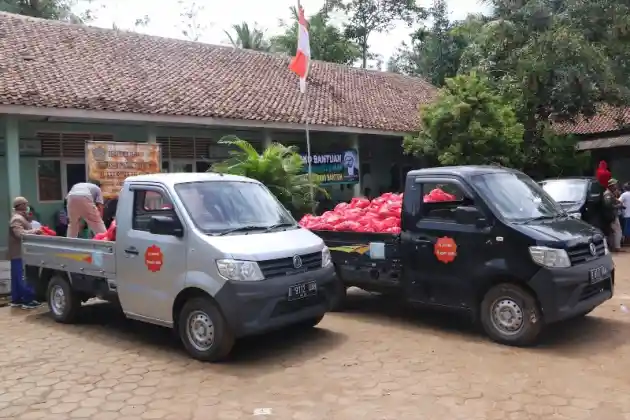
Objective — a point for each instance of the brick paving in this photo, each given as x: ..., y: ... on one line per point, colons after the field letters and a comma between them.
x: 376, y: 361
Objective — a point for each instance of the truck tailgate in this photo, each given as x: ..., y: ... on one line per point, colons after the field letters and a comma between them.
x: 75, y: 255
x: 352, y: 254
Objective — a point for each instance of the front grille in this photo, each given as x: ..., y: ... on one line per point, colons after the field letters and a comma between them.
x: 283, y: 266
x: 582, y: 253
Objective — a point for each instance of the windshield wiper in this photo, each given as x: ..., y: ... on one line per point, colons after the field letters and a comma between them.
x: 277, y: 225
x: 241, y: 229
x: 546, y: 217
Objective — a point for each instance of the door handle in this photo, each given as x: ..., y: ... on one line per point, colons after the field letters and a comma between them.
x: 132, y: 251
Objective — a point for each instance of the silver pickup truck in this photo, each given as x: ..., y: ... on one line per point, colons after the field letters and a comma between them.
x: 215, y: 257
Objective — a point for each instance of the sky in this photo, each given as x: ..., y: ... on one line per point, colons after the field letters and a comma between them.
x: 164, y: 17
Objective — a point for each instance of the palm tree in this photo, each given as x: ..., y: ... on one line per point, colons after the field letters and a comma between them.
x: 248, y: 38
x: 279, y: 167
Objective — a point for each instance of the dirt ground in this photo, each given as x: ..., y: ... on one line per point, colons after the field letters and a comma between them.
x: 375, y: 361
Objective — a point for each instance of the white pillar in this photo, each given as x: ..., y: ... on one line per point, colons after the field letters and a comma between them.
x: 151, y: 134
x: 267, y: 140
x: 354, y: 143
x: 12, y: 157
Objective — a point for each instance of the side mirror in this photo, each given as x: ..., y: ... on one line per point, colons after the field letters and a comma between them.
x: 166, y: 225
x: 470, y: 215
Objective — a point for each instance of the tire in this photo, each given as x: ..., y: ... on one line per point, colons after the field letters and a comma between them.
x: 63, y: 301
x: 208, y: 317
x: 526, y: 321
x: 340, y: 295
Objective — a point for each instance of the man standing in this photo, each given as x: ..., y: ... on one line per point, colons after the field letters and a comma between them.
x: 611, y: 216
x: 21, y: 294
x: 85, y: 201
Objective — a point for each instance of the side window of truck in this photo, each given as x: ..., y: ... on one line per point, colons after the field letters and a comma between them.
x: 148, y: 203
x: 439, y: 201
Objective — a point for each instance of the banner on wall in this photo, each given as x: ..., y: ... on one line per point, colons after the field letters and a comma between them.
x: 334, y: 168
x: 112, y: 162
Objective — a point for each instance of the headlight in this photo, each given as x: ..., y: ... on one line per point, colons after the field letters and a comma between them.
x: 576, y: 215
x: 240, y: 270
x: 326, y: 260
x: 606, y: 251
x: 550, y: 257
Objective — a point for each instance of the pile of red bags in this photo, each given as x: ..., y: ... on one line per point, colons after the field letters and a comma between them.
x: 380, y: 215
x: 110, y: 235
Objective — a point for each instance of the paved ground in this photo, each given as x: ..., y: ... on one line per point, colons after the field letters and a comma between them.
x: 373, y: 362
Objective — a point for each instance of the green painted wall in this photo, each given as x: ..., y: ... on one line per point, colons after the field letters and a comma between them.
x: 322, y: 142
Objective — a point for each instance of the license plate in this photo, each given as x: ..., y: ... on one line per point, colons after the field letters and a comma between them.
x: 597, y: 274
x: 303, y: 290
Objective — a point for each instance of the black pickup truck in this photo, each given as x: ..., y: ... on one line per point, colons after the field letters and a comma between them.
x: 503, y: 250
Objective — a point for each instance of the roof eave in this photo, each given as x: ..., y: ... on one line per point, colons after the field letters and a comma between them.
x: 162, y: 119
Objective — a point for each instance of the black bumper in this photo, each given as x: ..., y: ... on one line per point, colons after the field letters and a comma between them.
x: 566, y: 292
x: 256, y: 307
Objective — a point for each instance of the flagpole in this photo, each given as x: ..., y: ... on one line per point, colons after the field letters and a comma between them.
x: 308, y: 150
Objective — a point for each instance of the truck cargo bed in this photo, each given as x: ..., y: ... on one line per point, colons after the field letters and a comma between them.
x: 84, y: 256
x: 367, y: 260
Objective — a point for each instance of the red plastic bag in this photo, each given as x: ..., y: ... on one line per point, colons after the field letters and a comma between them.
x: 100, y: 236
x: 359, y: 203
x: 46, y: 231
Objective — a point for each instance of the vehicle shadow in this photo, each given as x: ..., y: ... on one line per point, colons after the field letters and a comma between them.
x: 381, y: 309
x: 574, y: 338
x: 105, y: 324
x: 584, y: 336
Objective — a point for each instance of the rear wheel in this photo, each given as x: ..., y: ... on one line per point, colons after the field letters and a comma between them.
x: 510, y: 315
x: 63, y: 301
x: 204, y: 331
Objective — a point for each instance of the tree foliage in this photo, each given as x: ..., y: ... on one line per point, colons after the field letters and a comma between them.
x: 556, y: 60
x: 248, y: 37
x: 327, y: 42
x: 366, y: 17
x: 47, y: 9
x: 191, y: 22
x: 279, y: 167
x: 469, y: 124
x: 435, y: 53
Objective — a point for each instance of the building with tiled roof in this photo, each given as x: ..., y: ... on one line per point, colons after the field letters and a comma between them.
x: 62, y: 85
x: 52, y: 64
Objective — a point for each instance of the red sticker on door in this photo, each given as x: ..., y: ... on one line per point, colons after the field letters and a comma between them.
x: 445, y: 249
x: 153, y: 258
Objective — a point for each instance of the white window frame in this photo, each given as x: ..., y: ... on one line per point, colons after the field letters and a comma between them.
x: 64, y: 176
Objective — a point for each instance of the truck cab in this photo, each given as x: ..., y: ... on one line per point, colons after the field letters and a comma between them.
x: 215, y: 257
x: 501, y: 249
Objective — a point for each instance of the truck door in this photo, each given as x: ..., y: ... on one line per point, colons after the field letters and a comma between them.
x: 149, y: 266
x: 441, y: 255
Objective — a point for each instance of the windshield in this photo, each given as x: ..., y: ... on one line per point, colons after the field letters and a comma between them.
x: 220, y: 206
x: 566, y: 190
x: 515, y: 196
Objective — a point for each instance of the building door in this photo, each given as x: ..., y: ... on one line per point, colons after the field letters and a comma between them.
x: 75, y: 173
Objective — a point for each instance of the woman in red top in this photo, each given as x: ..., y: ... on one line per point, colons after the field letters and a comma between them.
x: 602, y: 174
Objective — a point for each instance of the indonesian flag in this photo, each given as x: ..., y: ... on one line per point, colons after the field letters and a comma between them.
x: 300, y: 63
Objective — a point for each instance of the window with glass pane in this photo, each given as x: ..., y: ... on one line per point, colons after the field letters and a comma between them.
x: 49, y: 180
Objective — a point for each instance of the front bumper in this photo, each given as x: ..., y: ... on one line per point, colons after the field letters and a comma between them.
x: 567, y: 292
x: 256, y: 307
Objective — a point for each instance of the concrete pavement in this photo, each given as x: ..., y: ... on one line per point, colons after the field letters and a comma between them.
x: 376, y: 361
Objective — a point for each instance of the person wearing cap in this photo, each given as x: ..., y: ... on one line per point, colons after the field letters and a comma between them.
x: 610, y: 216
x: 19, y: 225
x: 85, y: 201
